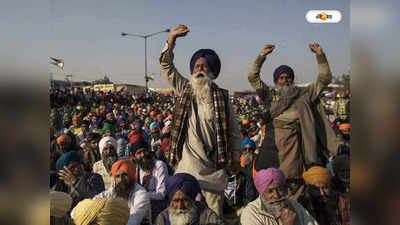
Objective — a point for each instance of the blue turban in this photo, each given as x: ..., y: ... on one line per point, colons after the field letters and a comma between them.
x: 283, y: 69
x: 67, y: 158
x: 154, y: 125
x: 184, y: 182
x: 248, y: 141
x: 212, y: 59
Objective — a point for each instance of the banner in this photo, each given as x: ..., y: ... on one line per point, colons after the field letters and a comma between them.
x: 104, y: 87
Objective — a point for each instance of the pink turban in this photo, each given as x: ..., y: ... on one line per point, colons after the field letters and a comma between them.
x: 266, y: 177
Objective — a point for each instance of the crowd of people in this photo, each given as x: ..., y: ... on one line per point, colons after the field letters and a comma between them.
x: 200, y: 155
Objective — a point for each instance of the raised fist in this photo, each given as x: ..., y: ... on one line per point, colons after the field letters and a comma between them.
x: 267, y: 50
x: 315, y: 48
x: 180, y: 31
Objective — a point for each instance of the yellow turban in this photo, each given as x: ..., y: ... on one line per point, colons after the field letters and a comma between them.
x: 104, y: 211
x: 317, y: 174
x: 60, y: 204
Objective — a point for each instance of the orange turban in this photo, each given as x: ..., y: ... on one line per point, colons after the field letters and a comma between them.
x: 317, y: 174
x: 244, y: 122
x: 344, y: 126
x: 126, y: 166
x: 152, y: 113
x: 63, y: 138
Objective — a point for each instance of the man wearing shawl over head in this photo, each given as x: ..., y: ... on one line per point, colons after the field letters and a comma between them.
x: 182, y: 189
x: 205, y: 139
x: 302, y: 134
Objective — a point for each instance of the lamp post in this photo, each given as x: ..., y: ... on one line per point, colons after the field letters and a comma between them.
x: 145, y: 49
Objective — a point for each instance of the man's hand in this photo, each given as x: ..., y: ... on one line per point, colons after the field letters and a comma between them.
x: 315, y: 48
x: 180, y: 31
x: 67, y: 176
x: 267, y: 50
x: 288, y: 216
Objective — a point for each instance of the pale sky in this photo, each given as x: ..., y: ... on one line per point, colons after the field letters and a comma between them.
x: 86, y: 34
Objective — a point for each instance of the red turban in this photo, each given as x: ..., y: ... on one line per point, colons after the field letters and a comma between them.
x: 63, y: 138
x: 126, y: 166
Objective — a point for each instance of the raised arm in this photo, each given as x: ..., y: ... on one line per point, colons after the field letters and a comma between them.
x: 254, y: 74
x: 324, y: 73
x: 168, y: 70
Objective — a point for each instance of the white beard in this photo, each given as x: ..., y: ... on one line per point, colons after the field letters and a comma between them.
x: 182, y: 217
x: 201, y: 87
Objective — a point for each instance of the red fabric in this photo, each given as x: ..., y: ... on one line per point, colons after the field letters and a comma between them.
x: 63, y: 138
x: 135, y: 137
x: 126, y: 166
x: 344, y: 210
x: 164, y: 144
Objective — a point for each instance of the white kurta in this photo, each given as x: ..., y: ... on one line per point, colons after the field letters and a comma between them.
x: 201, y: 135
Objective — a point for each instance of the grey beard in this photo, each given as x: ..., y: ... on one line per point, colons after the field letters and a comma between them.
x: 274, y: 207
x: 283, y: 88
x: 108, y: 161
x: 248, y: 158
x: 182, y: 216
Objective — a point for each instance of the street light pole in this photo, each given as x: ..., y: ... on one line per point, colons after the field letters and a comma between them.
x: 145, y: 63
x: 146, y: 78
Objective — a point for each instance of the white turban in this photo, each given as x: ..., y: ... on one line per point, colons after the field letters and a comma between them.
x: 107, y: 140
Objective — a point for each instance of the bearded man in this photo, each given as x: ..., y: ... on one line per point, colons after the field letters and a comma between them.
x: 273, y: 206
x: 151, y: 174
x: 205, y: 139
x: 302, y: 133
x: 182, y: 189
x: 328, y: 206
x: 74, y: 180
x: 125, y: 187
x: 108, y: 152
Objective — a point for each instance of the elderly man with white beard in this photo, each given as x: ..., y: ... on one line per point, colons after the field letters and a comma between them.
x: 273, y: 206
x: 205, y: 139
x: 182, y: 189
x: 108, y: 152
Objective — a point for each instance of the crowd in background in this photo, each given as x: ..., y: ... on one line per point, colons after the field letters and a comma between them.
x: 100, y: 131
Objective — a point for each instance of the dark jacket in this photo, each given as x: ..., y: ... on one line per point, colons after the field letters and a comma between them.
x: 87, y: 186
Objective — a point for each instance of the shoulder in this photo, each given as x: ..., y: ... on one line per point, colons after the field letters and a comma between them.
x: 97, y: 165
x: 251, y: 214
x: 159, y: 165
x: 252, y: 207
x: 139, y: 190
x: 160, y: 220
x: 105, y: 194
x: 206, y: 214
x: 298, y: 207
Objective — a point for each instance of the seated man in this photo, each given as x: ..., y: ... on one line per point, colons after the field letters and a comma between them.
x: 182, y: 189
x: 326, y: 205
x: 101, y: 211
x: 273, y: 205
x: 151, y: 174
x: 73, y: 179
x: 124, y: 174
x: 108, y: 152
